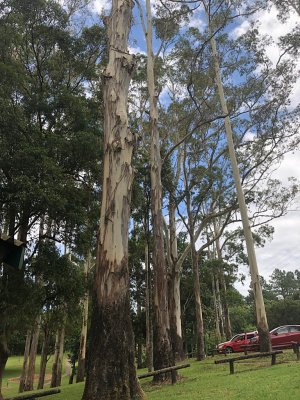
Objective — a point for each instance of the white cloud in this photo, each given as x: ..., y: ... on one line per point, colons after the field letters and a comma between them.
x: 98, y: 6
x: 240, y: 29
x: 197, y: 21
x: 136, y: 50
x: 284, y: 250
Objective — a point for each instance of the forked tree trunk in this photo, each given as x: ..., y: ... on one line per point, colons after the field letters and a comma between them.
x: 261, y: 317
x: 111, y: 372
x: 44, y: 359
x: 149, y: 327
x: 32, y: 356
x: 83, y: 336
x: 25, y: 362
x: 162, y: 354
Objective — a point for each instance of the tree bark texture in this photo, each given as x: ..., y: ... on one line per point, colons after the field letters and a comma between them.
x: 227, y: 322
x: 219, y: 305
x: 4, y: 353
x: 198, y: 306
x: 83, y: 336
x: 58, y: 357
x: 29, y: 382
x: 261, y: 317
x: 111, y: 373
x: 218, y: 333
x: 149, y: 327
x: 162, y: 355
x: 196, y: 277
x: 174, y: 288
x: 44, y: 358
x: 25, y: 362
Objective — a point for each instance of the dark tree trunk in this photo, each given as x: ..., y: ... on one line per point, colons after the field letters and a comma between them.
x: 162, y: 354
x: 32, y: 357
x: 58, y: 357
x: 44, y: 359
x: 4, y: 353
x: 25, y: 362
x: 111, y: 367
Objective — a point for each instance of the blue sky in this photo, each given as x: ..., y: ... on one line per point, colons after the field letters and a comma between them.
x: 283, y: 251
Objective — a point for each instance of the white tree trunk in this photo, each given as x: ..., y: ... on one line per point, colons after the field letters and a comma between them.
x: 262, y: 324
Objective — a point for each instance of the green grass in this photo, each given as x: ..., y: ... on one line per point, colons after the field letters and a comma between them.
x: 253, y: 380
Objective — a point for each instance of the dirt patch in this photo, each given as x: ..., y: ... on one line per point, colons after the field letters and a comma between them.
x: 36, y: 378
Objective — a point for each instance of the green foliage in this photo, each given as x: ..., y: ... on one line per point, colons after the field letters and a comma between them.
x: 284, y: 312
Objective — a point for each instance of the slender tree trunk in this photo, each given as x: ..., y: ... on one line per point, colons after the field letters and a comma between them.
x: 174, y: 288
x: 219, y: 305
x: 227, y: 325
x: 149, y: 328
x: 44, y: 358
x: 25, y: 362
x: 111, y: 372
x: 83, y: 336
x: 58, y: 357
x: 261, y: 317
x: 198, y: 306
x: 29, y: 382
x: 196, y: 277
x: 227, y: 322
x: 162, y: 347
x: 217, y: 319
x: 60, y: 354
x: 55, y: 361
x: 138, y: 340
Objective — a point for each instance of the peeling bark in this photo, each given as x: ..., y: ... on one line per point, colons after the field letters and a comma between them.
x: 111, y: 373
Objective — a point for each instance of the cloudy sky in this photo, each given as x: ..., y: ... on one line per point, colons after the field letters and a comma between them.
x: 284, y: 250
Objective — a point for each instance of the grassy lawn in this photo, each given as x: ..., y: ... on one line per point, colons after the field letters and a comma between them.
x: 253, y: 380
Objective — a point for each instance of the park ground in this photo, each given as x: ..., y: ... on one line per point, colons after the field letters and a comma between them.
x: 253, y: 380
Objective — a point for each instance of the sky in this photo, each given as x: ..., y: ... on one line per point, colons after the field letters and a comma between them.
x: 283, y: 251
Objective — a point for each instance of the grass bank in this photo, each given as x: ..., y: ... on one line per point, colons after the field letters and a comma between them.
x: 253, y: 380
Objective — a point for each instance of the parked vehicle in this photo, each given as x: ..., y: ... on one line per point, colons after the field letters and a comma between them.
x: 283, y: 336
x: 235, y: 344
